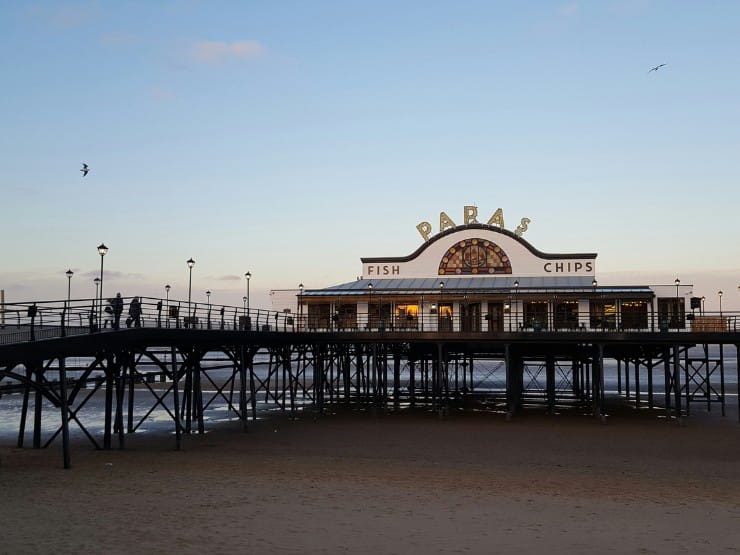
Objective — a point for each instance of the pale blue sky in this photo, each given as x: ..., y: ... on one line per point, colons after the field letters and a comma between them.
x: 292, y: 138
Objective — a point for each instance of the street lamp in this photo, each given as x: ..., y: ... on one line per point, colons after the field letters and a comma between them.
x: 97, y: 286
x: 208, y: 297
x: 69, y: 274
x: 703, y: 298
x: 248, y: 275
x: 244, y: 303
x: 300, y: 305
x: 678, y: 309
x: 720, y: 303
x: 190, y: 262
x: 369, y: 302
x: 102, y: 251
x: 167, y: 294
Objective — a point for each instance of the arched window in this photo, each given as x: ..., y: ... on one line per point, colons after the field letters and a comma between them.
x: 474, y: 256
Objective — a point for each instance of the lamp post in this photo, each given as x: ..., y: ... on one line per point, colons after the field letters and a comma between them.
x: 208, y: 298
x: 720, y: 303
x: 300, y: 306
x: 69, y: 274
x: 102, y: 251
x: 167, y: 294
x: 678, y: 310
x: 703, y: 298
x: 97, y: 288
x: 516, y: 302
x: 190, y: 262
x: 369, y: 302
x: 247, y: 275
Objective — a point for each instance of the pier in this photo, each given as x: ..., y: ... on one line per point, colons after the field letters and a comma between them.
x: 184, y: 361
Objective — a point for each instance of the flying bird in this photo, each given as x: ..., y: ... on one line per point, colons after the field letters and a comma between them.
x: 656, y: 68
x: 84, y: 170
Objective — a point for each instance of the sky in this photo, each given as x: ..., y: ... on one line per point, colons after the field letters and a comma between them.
x: 291, y: 138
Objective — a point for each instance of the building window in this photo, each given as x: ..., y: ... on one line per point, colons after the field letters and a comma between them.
x: 379, y: 315
x: 535, y: 314
x: 566, y: 315
x: 407, y: 316
x: 671, y: 313
x: 445, y: 317
x: 603, y: 314
x: 346, y: 316
x: 474, y: 256
x: 318, y: 315
x: 634, y: 315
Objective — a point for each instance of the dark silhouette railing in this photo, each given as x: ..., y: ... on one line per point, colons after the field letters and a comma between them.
x: 31, y: 321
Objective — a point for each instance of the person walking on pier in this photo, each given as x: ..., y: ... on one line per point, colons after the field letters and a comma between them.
x: 117, y: 304
x: 134, y: 312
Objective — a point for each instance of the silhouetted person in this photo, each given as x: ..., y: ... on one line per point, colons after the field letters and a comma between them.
x: 117, y: 305
x: 159, y: 314
x: 134, y: 311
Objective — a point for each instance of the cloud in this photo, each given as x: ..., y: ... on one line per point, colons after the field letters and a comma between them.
x: 64, y: 16
x: 215, y: 52
x: 229, y: 277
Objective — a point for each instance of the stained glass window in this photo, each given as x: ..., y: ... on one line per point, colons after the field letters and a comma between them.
x: 474, y: 256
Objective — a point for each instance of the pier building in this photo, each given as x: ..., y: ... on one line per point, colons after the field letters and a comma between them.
x: 484, y: 278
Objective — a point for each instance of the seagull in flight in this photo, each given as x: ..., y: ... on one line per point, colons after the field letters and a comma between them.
x: 656, y: 68
x: 84, y: 170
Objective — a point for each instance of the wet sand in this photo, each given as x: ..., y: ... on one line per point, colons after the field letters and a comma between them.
x: 398, y: 483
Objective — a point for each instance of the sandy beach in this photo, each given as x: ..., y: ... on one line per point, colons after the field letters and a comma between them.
x: 397, y: 483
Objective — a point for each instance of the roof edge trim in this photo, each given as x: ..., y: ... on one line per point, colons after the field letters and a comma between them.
x: 486, y: 227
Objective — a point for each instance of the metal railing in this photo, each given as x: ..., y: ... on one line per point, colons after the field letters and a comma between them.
x: 30, y: 321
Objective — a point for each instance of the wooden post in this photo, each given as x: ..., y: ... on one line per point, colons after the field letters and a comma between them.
x: 108, y: 401
x: 510, y: 406
x: 637, y: 382
x: 24, y: 407
x: 243, y: 387
x: 198, y: 391
x: 668, y: 381
x: 722, y: 377
x: 252, y: 387
x: 176, y: 399
x: 396, y: 378
x: 650, y: 381
x: 119, y: 369
x: 64, y: 413
x: 131, y: 391
x: 677, y: 381
x: 550, y: 382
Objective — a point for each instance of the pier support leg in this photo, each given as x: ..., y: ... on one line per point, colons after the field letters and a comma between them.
x: 550, y: 382
x: 176, y: 398
x: 108, y: 402
x: 64, y: 413
x: 243, y: 416
x: 677, y: 381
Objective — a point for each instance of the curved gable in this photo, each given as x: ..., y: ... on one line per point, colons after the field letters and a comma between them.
x: 479, y: 250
